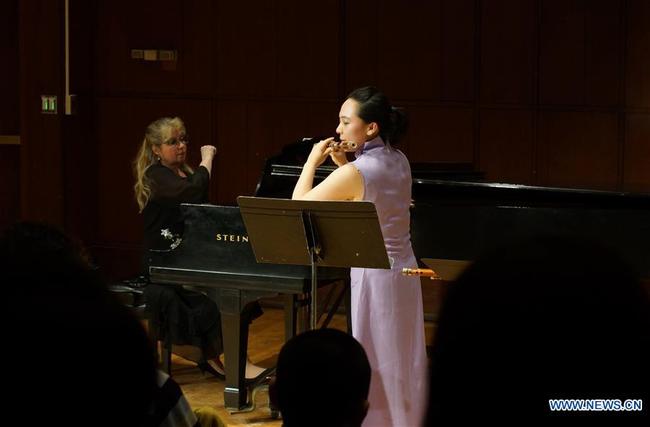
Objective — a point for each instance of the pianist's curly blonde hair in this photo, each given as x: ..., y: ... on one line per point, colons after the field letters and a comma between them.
x: 157, y: 133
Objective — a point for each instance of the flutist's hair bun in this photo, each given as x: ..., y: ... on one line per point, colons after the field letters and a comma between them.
x: 374, y: 106
x: 399, y: 124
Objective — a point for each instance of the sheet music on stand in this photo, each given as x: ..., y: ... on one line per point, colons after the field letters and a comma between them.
x: 314, y: 233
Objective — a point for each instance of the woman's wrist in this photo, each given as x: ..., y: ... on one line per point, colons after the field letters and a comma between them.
x: 341, y: 162
x: 207, y: 166
x: 309, y: 167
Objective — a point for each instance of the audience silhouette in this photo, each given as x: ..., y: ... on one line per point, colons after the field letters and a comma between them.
x: 322, y: 379
x: 543, y: 318
x: 81, y: 358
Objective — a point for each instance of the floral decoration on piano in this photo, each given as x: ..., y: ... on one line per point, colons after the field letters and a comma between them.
x: 168, y: 235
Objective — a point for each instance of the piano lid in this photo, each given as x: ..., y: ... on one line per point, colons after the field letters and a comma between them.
x: 460, y: 220
x: 436, y: 190
x: 281, y: 172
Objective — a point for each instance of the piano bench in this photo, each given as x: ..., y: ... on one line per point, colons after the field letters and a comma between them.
x: 131, y: 295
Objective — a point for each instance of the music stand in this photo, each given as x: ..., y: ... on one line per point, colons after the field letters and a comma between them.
x: 314, y: 233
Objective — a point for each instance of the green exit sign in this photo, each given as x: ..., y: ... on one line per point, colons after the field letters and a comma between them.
x: 48, y: 104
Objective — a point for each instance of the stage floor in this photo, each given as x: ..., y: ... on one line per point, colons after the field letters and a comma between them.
x: 266, y: 337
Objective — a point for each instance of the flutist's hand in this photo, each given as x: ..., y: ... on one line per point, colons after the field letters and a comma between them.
x: 319, y: 153
x: 338, y: 156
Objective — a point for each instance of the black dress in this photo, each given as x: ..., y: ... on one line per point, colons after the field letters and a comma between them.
x: 168, y: 191
x: 183, y: 317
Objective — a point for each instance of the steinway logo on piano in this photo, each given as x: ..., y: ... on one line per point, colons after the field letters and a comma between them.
x: 235, y: 238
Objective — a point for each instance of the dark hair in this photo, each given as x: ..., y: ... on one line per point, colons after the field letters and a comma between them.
x: 71, y: 332
x: 323, y: 379
x: 37, y: 248
x: 374, y: 106
x: 549, y: 317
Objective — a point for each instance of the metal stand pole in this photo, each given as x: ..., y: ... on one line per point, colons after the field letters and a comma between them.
x: 314, y: 292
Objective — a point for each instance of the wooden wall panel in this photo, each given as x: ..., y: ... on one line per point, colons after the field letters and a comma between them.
x: 245, y: 49
x: 308, y: 63
x: 406, y: 58
x: 79, y: 174
x: 532, y: 91
x: 249, y: 133
x: 9, y: 105
x: 232, y: 160
x: 604, y: 53
x: 457, y: 60
x: 637, y: 153
x: 360, y: 45
x: 562, y: 41
x: 295, y: 120
x: 420, y: 50
x: 197, y: 55
x: 578, y: 149
x: 440, y: 135
x: 506, y: 146
x: 9, y: 190
x: 262, y: 137
x: 123, y: 25
x: 580, y: 54
x: 290, y: 50
x: 41, y: 150
x: 508, y: 51
x: 637, y: 77
x: 413, y: 50
x: 9, y: 114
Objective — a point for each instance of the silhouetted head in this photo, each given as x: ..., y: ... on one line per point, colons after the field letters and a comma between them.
x: 546, y: 318
x: 80, y: 357
x: 322, y: 379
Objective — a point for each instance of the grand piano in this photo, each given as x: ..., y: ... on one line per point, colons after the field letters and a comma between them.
x: 215, y: 257
x: 458, y: 220
x: 455, y: 215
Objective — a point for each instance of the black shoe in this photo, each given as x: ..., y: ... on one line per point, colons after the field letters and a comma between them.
x: 206, y: 367
x: 261, y: 379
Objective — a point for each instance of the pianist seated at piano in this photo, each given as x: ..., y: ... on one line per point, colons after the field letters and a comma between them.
x: 387, y: 313
x: 163, y: 180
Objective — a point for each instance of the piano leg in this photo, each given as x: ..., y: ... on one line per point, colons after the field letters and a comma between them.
x: 235, y: 339
x: 348, y: 305
x: 290, y: 318
x: 295, y: 314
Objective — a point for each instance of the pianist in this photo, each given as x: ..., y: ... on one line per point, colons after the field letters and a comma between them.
x: 163, y: 181
x: 387, y: 313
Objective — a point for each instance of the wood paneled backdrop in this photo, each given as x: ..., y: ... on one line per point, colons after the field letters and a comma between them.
x: 9, y: 113
x: 542, y: 92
